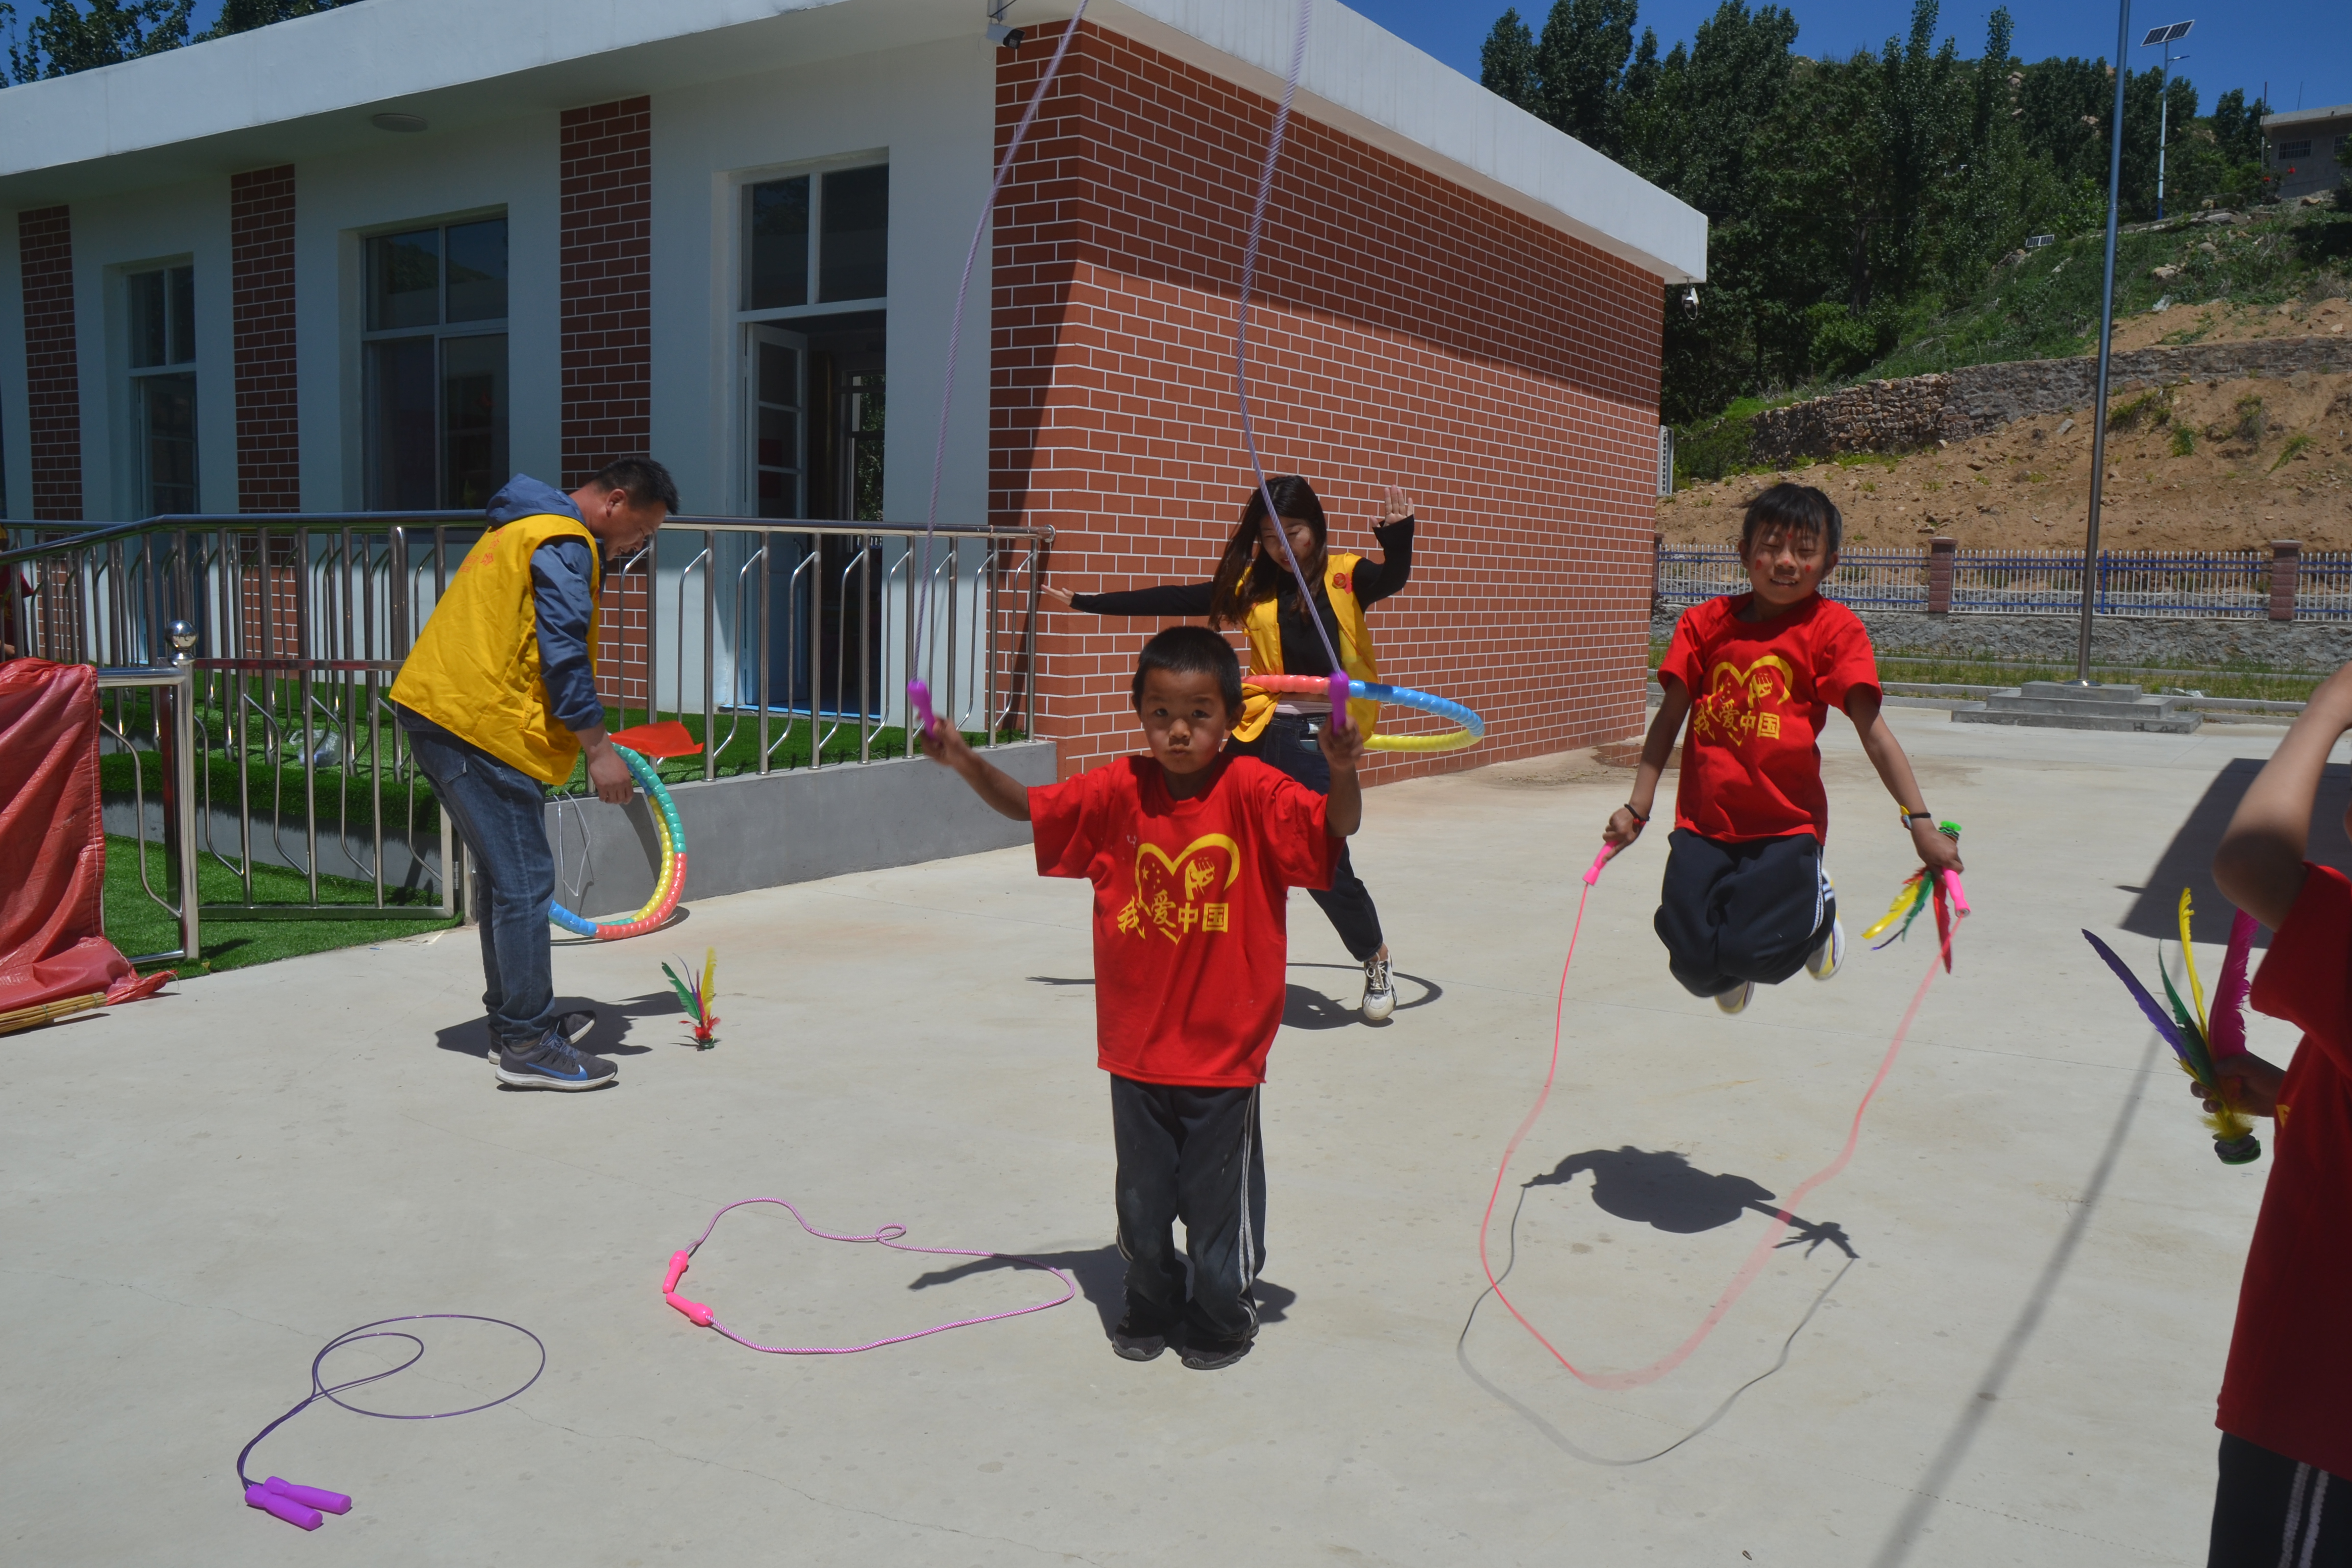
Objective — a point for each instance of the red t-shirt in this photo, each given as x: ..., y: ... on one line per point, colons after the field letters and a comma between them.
x: 1751, y: 754
x: 2289, y: 1386
x: 1190, y: 942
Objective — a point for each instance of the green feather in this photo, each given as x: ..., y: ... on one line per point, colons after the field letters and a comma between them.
x: 2201, y: 1058
x: 684, y: 996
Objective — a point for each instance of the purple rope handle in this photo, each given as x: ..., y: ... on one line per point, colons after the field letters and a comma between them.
x: 1241, y: 333
x: 955, y: 330
x: 321, y: 1389
x: 887, y: 1235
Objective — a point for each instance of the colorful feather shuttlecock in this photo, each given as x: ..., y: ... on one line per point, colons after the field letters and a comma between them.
x: 696, y: 997
x: 2228, y: 1036
x: 2235, y: 1142
x: 1920, y: 891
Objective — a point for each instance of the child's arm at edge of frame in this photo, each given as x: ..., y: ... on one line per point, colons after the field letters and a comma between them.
x: 1624, y: 827
x: 1005, y: 795
x: 2259, y: 864
x: 1862, y: 705
x: 1343, y: 810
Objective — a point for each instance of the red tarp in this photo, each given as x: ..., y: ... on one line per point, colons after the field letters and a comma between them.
x: 52, y: 840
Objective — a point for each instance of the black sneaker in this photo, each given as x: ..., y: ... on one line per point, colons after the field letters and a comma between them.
x: 571, y: 1026
x: 1130, y: 1346
x: 1208, y: 1356
x: 555, y: 1063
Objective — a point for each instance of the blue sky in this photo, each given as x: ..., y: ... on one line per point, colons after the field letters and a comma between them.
x: 2305, y: 47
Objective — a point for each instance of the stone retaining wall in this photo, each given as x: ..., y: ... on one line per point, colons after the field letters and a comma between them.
x: 1920, y: 410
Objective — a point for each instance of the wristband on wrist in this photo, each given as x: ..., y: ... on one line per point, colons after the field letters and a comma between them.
x: 1910, y: 817
x: 1635, y: 815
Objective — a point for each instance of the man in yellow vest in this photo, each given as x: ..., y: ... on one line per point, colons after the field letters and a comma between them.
x: 498, y: 700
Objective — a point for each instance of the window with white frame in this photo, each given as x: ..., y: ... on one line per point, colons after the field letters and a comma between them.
x: 816, y: 251
x: 2299, y: 149
x: 162, y: 320
x: 434, y: 366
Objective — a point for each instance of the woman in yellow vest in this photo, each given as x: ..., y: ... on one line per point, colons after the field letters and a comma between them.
x: 1254, y: 589
x: 498, y: 700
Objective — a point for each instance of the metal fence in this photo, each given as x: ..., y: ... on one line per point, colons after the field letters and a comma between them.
x: 788, y: 645
x: 2204, y: 585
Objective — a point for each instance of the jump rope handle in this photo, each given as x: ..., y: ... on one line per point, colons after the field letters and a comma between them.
x: 1340, y: 720
x: 696, y: 1312
x: 1592, y: 872
x: 1951, y: 830
x: 919, y: 698
x: 310, y: 1497
x: 300, y: 1515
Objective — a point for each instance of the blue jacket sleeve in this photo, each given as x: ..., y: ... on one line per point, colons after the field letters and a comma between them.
x: 560, y: 574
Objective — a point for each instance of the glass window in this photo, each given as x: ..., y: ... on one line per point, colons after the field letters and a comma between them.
x: 2294, y: 148
x: 777, y: 412
x: 856, y: 250
x: 776, y: 226
x: 434, y: 368
x: 162, y: 329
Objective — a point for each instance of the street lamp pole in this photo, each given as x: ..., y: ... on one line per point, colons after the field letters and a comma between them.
x: 2106, y: 342
x: 2167, y: 37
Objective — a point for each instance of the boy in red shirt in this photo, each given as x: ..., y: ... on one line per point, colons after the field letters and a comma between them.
x: 1746, y: 899
x: 1193, y: 854
x: 2286, y: 1489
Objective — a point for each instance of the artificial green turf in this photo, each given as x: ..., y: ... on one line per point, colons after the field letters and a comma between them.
x: 136, y: 923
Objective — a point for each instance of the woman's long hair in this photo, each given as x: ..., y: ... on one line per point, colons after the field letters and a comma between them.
x: 1246, y: 575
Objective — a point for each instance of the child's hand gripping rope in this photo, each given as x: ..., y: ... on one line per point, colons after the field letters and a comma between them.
x: 1929, y: 885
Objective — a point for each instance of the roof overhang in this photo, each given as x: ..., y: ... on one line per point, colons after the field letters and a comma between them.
x: 2304, y: 118
x: 308, y: 86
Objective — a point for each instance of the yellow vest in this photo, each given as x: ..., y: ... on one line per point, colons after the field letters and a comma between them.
x: 1264, y: 624
x: 475, y: 669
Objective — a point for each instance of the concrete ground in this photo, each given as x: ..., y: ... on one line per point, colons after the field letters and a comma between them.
x: 2017, y: 1363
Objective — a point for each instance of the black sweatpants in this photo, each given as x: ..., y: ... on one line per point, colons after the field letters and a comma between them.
x: 1288, y: 742
x: 1190, y: 1154
x: 2270, y: 1510
x: 1748, y: 911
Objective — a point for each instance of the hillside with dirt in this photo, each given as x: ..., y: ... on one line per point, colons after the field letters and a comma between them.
x: 2228, y: 464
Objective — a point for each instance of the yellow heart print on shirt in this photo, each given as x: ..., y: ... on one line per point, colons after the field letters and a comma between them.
x: 1177, y: 897
x: 1735, y: 705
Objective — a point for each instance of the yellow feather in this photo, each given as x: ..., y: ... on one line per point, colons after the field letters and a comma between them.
x: 1894, y: 912
x: 710, y: 973
x: 2188, y: 958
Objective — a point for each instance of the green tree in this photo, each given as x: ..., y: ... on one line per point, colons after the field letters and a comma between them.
x: 1579, y: 64
x: 66, y: 38
x: 1506, y: 61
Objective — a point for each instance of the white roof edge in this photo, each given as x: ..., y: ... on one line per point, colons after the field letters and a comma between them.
x: 1357, y: 78
x: 1361, y: 79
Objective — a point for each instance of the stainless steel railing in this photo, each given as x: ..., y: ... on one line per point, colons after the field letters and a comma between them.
x: 777, y: 637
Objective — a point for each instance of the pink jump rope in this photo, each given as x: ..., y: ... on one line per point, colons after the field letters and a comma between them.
x: 1761, y: 1253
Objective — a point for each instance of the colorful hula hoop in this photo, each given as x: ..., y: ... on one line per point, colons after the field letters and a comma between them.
x: 1473, y: 727
x: 668, y: 888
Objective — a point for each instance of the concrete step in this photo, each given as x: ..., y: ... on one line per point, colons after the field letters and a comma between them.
x: 2057, y: 705
x: 2154, y: 706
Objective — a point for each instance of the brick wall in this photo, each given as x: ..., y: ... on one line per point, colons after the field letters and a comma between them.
x: 52, y: 376
x: 606, y: 299
x: 261, y: 313
x: 1405, y: 329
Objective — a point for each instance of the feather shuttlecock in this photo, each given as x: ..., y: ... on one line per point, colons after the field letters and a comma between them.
x: 2200, y: 1041
x: 1917, y: 892
x: 696, y: 997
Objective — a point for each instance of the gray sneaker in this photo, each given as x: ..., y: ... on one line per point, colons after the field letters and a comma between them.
x: 1380, y: 994
x: 1736, y: 999
x: 555, y: 1063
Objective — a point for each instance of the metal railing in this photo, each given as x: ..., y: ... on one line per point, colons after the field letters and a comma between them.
x: 2228, y: 584
x: 780, y: 638
x: 1864, y: 579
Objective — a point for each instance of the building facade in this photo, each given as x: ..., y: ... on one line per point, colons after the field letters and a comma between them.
x: 246, y: 276
x: 2308, y: 150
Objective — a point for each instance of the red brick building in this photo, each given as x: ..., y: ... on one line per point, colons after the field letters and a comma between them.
x: 544, y: 242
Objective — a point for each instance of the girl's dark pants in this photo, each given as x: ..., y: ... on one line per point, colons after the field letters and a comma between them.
x: 1731, y: 912
x: 1190, y: 1154
x: 1288, y: 742
x: 2269, y: 1510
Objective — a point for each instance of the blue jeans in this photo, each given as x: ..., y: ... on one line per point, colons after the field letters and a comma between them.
x: 500, y: 812
x: 1288, y: 742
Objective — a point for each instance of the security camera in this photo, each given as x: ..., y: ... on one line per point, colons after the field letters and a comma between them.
x: 1690, y: 300
x: 1004, y: 37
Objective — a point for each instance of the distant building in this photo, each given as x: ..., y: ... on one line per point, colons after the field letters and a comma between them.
x: 381, y: 256
x: 2308, y: 150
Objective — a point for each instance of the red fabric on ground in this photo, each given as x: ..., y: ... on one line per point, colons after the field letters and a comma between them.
x: 52, y: 839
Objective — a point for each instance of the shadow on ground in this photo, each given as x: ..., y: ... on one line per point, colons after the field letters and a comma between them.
x: 1101, y: 1275
x: 608, y: 1038
x: 2188, y: 860
x: 1303, y: 1008
x: 1664, y: 1190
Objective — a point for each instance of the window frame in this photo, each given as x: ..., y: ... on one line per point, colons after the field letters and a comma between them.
x: 141, y: 456
x: 441, y: 332
x: 814, y: 171
x: 2297, y: 149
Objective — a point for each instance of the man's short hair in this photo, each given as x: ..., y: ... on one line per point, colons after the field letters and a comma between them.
x: 1799, y: 509
x: 1191, y: 650
x: 647, y: 482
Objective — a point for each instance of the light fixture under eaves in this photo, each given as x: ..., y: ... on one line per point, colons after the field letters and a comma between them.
x: 397, y: 122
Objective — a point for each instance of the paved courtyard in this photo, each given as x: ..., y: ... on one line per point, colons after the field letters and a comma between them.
x: 1997, y: 1343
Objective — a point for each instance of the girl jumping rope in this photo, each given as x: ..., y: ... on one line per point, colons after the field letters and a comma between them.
x: 1254, y: 589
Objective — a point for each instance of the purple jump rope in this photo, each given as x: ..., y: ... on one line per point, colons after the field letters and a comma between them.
x: 302, y: 1506
x: 701, y: 1316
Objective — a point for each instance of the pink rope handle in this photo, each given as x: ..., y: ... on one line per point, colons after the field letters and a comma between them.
x: 1758, y: 1257
x: 886, y: 1236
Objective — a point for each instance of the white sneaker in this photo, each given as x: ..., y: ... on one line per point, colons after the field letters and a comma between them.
x: 1736, y: 999
x: 1823, y: 961
x: 1379, y: 995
